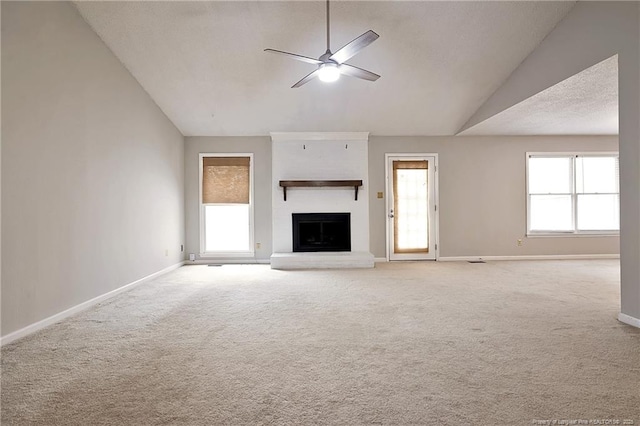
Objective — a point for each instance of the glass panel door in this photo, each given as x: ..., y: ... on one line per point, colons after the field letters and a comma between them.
x: 411, y: 208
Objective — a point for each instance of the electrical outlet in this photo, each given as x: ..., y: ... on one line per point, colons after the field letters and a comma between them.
x: 258, y: 245
x: 192, y: 257
x: 519, y: 242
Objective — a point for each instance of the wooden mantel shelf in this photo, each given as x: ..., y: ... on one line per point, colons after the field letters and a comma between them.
x: 318, y: 183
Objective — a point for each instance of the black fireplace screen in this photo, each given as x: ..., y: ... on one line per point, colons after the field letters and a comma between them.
x: 321, y: 232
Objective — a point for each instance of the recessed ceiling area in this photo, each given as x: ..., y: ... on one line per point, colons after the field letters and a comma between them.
x: 584, y: 104
x: 203, y: 62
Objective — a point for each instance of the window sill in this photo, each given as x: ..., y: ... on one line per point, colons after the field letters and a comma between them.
x: 571, y: 235
x: 227, y: 254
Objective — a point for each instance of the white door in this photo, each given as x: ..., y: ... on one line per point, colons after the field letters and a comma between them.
x: 411, y: 207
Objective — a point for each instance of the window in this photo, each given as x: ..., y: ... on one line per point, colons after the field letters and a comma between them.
x: 226, y: 213
x: 573, y: 193
x: 411, y: 226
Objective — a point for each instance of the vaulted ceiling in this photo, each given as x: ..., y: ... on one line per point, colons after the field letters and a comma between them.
x: 204, y: 65
x: 583, y: 104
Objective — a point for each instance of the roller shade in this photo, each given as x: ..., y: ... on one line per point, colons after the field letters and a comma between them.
x: 225, y: 180
x: 406, y: 165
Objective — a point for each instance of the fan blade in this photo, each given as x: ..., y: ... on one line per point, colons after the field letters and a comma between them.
x: 352, y: 71
x: 294, y: 56
x: 307, y: 79
x: 353, y: 47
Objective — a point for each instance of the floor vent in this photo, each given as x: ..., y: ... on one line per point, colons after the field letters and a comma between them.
x: 477, y: 261
x: 213, y: 265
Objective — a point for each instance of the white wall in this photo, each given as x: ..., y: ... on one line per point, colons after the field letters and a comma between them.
x: 482, y: 193
x: 260, y: 147
x: 92, y: 170
x: 319, y: 157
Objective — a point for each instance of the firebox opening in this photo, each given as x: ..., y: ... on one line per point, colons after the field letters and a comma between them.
x: 321, y: 232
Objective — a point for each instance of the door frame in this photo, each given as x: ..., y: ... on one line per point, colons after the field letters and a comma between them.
x: 388, y: 202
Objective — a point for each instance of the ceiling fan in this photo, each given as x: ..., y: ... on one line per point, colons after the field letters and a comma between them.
x: 331, y: 65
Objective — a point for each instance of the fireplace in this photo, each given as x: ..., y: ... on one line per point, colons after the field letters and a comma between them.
x: 314, y: 232
x: 326, y: 241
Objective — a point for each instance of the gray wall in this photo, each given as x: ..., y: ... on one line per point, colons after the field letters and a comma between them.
x: 261, y: 148
x: 590, y: 33
x: 92, y: 170
x: 482, y: 193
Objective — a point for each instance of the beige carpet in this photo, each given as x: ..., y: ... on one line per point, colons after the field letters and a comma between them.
x: 504, y: 343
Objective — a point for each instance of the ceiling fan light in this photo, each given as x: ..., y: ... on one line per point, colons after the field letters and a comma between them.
x: 328, y: 73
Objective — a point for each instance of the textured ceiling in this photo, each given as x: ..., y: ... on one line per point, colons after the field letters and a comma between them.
x: 204, y: 65
x: 584, y: 104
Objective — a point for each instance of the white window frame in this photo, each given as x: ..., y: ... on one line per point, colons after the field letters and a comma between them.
x: 226, y: 254
x: 574, y: 196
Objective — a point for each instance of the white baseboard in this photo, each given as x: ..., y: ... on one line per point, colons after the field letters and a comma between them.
x: 529, y: 257
x: 18, y: 334
x: 380, y: 259
x: 628, y: 319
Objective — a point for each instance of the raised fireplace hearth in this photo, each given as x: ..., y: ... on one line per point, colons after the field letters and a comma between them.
x: 321, y: 232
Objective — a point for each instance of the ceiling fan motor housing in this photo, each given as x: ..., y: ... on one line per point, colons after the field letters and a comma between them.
x: 325, y: 57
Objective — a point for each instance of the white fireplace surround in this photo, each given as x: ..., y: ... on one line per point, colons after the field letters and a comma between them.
x: 320, y: 156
